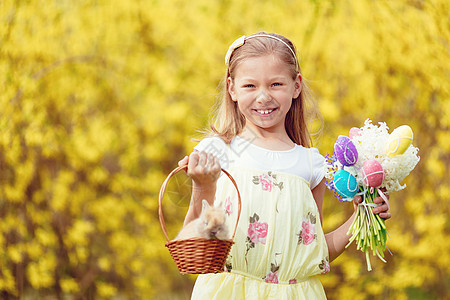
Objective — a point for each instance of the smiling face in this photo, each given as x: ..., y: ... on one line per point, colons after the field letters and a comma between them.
x: 263, y: 88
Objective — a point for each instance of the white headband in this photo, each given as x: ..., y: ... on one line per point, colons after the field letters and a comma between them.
x: 240, y: 41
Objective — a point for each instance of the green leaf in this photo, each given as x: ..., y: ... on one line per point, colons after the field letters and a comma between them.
x: 255, y: 217
x: 312, y: 218
x: 274, y: 268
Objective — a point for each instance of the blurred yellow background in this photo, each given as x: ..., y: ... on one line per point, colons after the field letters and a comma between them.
x: 100, y: 99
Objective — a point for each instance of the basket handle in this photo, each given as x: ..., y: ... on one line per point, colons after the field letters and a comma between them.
x: 163, y: 190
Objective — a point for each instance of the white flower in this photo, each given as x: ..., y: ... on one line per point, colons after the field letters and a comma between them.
x: 371, y: 143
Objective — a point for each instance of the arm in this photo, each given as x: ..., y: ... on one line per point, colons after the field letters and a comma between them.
x: 318, y: 193
x: 338, y: 239
x: 204, y: 169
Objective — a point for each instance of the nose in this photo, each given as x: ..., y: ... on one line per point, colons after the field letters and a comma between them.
x: 263, y: 96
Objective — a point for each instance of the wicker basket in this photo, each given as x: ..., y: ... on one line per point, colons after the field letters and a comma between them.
x: 198, y: 255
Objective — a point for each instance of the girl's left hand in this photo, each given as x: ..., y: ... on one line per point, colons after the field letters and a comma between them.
x: 382, y: 210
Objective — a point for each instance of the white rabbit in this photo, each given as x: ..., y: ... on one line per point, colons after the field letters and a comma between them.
x: 209, y: 225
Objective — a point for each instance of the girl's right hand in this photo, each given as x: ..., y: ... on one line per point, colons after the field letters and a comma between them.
x: 203, y: 168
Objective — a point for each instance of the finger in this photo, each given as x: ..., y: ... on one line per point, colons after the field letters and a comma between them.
x: 202, y: 157
x: 207, y: 170
x: 215, y: 168
x: 381, y: 200
x: 385, y: 215
x: 216, y: 164
x: 357, y: 199
x: 209, y: 161
x: 193, y: 160
x: 381, y: 209
x: 378, y: 200
x: 183, y: 161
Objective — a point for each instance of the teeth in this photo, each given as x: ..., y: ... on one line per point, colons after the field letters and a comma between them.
x: 265, y: 112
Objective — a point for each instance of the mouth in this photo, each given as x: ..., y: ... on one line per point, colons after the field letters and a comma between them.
x: 265, y: 112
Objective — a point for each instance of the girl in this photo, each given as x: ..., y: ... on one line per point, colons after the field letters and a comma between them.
x: 261, y: 138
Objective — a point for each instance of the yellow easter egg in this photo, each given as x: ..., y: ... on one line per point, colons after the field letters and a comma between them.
x: 399, y: 140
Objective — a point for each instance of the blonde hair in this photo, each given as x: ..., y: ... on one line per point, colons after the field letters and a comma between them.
x: 228, y: 121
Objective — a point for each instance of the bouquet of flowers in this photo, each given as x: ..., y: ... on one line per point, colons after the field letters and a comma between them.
x: 370, y: 162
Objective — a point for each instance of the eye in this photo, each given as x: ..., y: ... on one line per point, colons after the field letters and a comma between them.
x: 277, y: 84
x: 249, y: 85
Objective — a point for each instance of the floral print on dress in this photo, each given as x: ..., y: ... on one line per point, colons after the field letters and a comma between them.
x: 257, y: 233
x: 308, y: 232
x: 228, y: 206
x: 325, y: 265
x: 293, y: 281
x: 267, y: 181
x: 272, y: 276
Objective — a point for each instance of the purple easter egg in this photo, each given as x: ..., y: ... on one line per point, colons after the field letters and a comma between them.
x: 373, y: 174
x: 354, y: 131
x: 345, y: 151
x: 345, y: 183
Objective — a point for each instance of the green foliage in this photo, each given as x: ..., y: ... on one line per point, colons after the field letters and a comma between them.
x: 99, y: 100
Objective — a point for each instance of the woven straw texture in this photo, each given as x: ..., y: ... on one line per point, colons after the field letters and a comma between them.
x: 197, y: 255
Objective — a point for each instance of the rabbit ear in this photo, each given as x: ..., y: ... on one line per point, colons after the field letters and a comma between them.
x: 205, y: 205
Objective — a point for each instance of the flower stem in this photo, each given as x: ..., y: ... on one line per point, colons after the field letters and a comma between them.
x: 368, y: 230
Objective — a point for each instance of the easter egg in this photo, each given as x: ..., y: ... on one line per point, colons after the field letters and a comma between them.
x: 373, y: 174
x: 345, y: 183
x: 354, y: 131
x: 399, y: 140
x: 345, y: 151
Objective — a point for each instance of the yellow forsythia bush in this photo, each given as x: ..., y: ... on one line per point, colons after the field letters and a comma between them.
x: 100, y: 99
